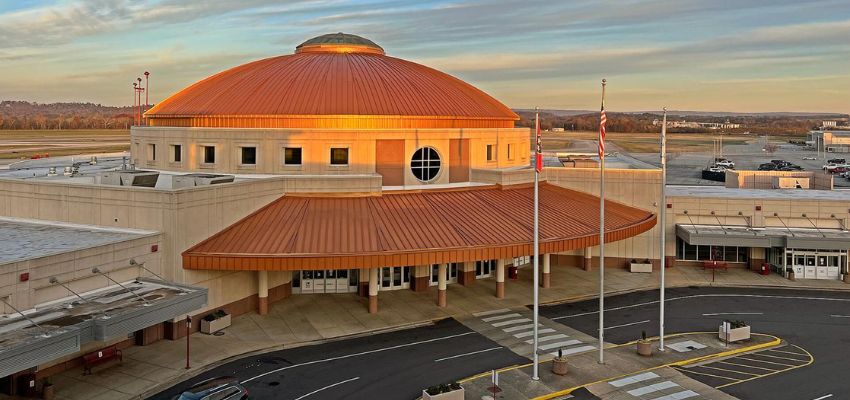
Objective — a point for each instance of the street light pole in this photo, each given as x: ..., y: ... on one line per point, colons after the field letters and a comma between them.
x: 188, y: 333
x: 662, y: 211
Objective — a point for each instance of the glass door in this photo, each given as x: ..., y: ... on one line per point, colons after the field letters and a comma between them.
x: 485, y: 268
x: 306, y: 281
x: 319, y: 281
x: 393, y: 278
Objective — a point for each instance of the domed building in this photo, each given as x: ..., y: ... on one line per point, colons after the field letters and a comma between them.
x: 337, y: 105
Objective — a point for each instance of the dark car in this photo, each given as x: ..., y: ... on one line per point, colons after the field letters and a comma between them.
x: 837, y: 161
x: 790, y: 167
x: 767, y: 167
x: 222, y: 388
x: 778, y: 162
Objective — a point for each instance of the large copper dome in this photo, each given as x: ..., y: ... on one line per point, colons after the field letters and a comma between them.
x: 332, y: 81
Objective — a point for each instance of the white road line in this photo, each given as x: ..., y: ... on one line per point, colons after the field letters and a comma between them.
x: 327, y: 387
x: 839, y: 316
x: 491, y: 312
x: 511, y: 322
x: 498, y: 317
x: 633, y: 379
x: 629, y: 324
x: 520, y: 327
x: 548, y: 338
x: 696, y: 296
x: 731, y: 313
x: 400, y: 346
x: 531, y: 332
x: 467, y: 354
x: 824, y: 397
x: 556, y: 345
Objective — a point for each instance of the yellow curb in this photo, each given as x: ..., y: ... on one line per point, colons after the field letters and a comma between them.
x: 483, y: 374
x: 774, y: 342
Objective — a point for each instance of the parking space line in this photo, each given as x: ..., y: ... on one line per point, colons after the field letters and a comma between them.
x: 767, y: 362
x: 728, y: 370
x: 824, y: 397
x: 624, y: 325
x: 691, y: 371
x: 327, y: 387
x: 467, y: 354
x: 787, y: 352
x: 780, y: 357
x: 745, y: 365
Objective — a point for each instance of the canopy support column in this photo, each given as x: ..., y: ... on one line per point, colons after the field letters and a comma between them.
x: 263, y: 292
x: 500, y: 278
x: 588, y: 260
x: 442, y: 270
x: 546, y: 275
x: 373, y: 290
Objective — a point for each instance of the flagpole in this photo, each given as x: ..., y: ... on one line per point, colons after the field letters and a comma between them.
x: 537, y: 166
x: 602, y: 227
x: 662, y: 211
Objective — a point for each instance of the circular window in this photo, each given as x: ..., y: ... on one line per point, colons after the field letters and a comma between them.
x: 425, y: 164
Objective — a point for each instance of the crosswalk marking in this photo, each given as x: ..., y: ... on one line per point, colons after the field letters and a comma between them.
x: 686, y: 394
x: 511, y: 322
x: 559, y: 344
x: 520, y: 327
x: 633, y: 379
x: 548, y: 338
x: 652, y: 388
x: 574, y: 350
x: 498, y: 317
x: 531, y: 332
x: 491, y: 312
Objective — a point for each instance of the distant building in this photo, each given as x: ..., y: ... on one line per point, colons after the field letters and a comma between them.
x: 557, y: 129
x: 828, y: 124
x: 698, y: 125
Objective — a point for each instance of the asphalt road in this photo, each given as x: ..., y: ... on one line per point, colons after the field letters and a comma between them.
x: 395, y: 365
x: 818, y: 321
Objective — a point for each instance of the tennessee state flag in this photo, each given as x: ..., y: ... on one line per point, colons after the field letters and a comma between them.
x: 538, y: 157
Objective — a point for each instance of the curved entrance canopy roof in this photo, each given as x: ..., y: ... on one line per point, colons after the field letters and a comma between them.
x: 412, y: 228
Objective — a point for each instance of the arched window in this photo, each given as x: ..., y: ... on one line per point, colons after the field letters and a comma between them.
x: 425, y: 164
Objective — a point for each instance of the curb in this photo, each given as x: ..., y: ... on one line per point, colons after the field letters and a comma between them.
x: 775, y: 342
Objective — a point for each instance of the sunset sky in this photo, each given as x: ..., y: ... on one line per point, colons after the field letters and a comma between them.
x: 710, y: 55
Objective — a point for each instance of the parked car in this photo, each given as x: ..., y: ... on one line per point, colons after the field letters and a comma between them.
x: 790, y: 167
x: 830, y: 167
x: 222, y: 388
x: 725, y: 164
x: 767, y: 167
x: 836, y: 161
x: 839, y: 170
x: 778, y: 162
x: 810, y: 158
x: 717, y: 169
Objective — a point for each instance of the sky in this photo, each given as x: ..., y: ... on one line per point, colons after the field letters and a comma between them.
x: 706, y: 55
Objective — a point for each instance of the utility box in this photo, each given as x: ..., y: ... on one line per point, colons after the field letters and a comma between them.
x: 130, y: 178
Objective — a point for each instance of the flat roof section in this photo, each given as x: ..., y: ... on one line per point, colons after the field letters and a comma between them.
x: 795, y: 238
x: 108, y: 313
x: 26, y: 239
x: 412, y: 228
x: 757, y: 194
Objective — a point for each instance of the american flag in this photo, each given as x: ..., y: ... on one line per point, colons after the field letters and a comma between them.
x: 602, y: 120
x: 538, y: 157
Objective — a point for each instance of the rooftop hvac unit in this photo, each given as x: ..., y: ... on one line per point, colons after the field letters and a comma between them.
x: 191, y: 180
x: 51, y: 171
x: 130, y: 178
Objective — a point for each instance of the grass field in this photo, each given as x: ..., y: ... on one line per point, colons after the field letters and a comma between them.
x: 16, y: 144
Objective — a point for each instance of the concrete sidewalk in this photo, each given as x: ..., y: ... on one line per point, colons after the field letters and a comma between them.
x: 306, y: 319
x: 623, y: 373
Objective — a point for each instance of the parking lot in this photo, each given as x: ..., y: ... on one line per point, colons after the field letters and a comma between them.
x: 748, y: 367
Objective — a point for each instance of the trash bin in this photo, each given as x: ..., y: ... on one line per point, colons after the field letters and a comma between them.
x: 765, y: 269
x: 513, y: 272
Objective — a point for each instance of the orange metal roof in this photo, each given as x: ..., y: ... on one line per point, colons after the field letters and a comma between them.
x: 332, y: 84
x: 412, y: 228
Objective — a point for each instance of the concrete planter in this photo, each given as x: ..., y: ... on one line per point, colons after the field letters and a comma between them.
x: 735, y: 334
x: 640, y: 267
x: 453, y: 395
x: 846, y: 278
x: 559, y: 366
x: 215, y: 325
x: 644, y: 348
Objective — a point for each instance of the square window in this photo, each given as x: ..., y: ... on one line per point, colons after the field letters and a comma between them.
x: 176, y: 153
x: 152, y: 152
x: 510, y: 152
x: 209, y: 154
x: 491, y: 155
x: 292, y: 156
x: 249, y: 156
x: 339, y: 156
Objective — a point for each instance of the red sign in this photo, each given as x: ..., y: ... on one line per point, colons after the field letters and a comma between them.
x: 25, y: 276
x: 154, y: 248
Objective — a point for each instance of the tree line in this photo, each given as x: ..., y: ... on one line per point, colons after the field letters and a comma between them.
x: 24, y: 115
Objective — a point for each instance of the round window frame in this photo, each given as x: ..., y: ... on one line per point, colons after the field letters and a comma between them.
x: 424, y: 168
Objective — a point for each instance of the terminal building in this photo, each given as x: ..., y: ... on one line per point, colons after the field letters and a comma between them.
x: 341, y: 170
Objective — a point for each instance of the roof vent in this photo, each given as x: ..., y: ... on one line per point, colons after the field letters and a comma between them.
x: 191, y: 180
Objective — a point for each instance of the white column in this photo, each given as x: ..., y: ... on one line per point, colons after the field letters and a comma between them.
x: 442, y: 271
x: 546, y: 276
x: 373, y: 290
x: 263, y: 292
x: 500, y: 278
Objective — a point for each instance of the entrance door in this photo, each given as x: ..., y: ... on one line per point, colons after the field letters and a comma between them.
x: 307, y: 282
x: 393, y: 278
x: 484, y: 269
x: 818, y: 264
x: 451, y: 271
